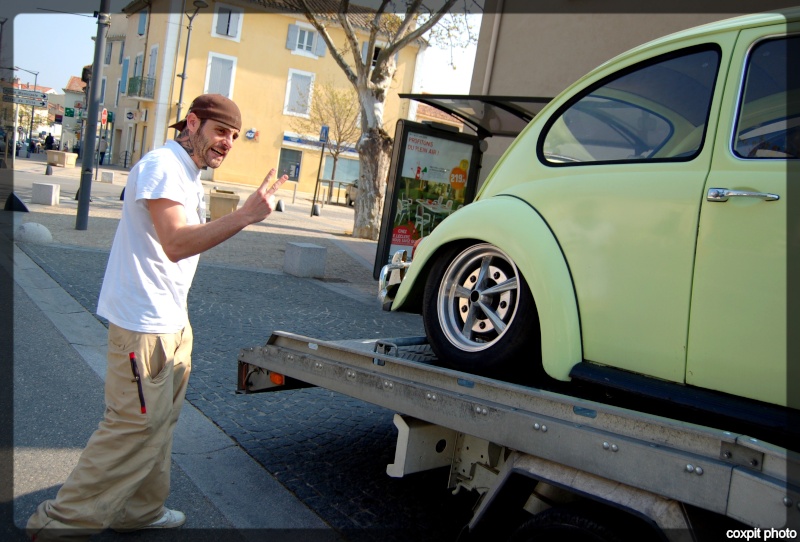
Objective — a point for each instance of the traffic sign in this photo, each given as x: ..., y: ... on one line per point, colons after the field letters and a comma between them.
x: 323, y: 134
x: 25, y: 101
x: 34, y: 94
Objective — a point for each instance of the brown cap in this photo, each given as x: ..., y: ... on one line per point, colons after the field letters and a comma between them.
x: 215, y: 107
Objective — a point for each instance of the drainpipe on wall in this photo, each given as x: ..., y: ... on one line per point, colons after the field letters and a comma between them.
x: 487, y: 77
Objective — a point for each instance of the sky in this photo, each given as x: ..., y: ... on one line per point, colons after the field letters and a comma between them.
x: 62, y: 48
x: 64, y: 45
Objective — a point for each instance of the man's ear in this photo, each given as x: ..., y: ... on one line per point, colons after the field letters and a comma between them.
x: 192, y: 122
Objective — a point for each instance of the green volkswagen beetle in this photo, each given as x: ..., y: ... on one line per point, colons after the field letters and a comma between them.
x: 637, y: 225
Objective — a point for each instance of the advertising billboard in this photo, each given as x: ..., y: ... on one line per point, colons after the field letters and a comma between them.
x: 433, y: 173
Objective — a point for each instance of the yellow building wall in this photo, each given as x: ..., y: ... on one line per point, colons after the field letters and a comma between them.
x: 259, y: 89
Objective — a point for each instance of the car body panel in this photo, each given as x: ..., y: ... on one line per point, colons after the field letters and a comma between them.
x: 540, y: 262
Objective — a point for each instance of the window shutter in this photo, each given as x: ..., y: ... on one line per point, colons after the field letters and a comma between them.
x: 291, y: 37
x: 219, y: 79
x: 142, y: 22
x: 151, y: 68
x: 300, y: 94
x: 233, y: 28
x: 223, y: 16
x: 125, y: 75
x: 319, y: 46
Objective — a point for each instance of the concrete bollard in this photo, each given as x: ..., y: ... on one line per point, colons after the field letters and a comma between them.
x: 45, y: 193
x: 279, y: 206
x: 304, y: 260
x: 48, y: 170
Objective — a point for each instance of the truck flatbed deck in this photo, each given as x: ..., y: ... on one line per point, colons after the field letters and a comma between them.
x: 727, y: 473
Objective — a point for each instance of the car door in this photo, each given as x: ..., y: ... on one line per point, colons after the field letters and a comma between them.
x: 737, y: 332
x: 624, y: 166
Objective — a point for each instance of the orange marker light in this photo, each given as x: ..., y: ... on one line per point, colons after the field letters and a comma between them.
x: 277, y: 379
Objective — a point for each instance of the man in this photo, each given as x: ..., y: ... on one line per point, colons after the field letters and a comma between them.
x: 102, y: 148
x: 122, y: 478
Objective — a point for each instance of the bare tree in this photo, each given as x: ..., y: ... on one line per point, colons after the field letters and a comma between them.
x: 338, y: 109
x: 371, y: 80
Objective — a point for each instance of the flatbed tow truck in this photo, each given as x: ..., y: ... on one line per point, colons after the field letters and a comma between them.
x: 547, y: 462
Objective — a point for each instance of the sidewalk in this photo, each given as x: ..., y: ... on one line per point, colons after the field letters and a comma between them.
x: 348, y: 260
x: 59, y: 363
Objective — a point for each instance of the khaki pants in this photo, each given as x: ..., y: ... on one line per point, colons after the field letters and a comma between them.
x: 122, y: 477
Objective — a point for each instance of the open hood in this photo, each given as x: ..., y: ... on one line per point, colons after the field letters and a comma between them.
x: 487, y: 115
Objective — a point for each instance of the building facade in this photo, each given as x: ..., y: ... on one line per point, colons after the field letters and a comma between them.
x: 267, y: 60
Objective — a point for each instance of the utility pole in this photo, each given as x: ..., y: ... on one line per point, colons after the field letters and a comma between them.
x: 87, y: 163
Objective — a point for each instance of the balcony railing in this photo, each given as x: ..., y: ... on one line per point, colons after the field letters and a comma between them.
x: 142, y: 87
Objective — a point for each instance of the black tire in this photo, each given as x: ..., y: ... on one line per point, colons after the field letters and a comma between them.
x: 561, y: 524
x: 479, y: 313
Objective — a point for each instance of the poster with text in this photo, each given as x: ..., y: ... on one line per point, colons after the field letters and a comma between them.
x: 430, y: 186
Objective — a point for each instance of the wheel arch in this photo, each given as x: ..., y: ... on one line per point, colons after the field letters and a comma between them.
x: 537, y: 255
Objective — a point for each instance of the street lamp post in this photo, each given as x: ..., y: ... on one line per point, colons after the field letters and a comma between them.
x: 198, y: 4
x: 33, y: 107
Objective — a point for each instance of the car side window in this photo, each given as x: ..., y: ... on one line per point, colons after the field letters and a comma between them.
x: 768, y: 120
x: 656, y: 110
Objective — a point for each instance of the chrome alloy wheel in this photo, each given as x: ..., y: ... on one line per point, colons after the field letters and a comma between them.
x: 478, y: 297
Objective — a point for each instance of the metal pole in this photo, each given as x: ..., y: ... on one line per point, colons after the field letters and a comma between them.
x: 316, y: 186
x: 197, y: 5
x: 33, y: 108
x: 85, y: 190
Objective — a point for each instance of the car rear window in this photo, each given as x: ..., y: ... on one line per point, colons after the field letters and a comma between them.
x: 655, y: 110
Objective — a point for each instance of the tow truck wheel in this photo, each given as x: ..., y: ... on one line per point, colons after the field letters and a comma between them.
x: 560, y: 524
x: 478, y: 311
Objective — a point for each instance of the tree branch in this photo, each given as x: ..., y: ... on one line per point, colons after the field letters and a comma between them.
x: 323, y: 32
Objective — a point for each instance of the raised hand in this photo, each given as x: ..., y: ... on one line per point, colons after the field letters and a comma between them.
x: 261, y: 203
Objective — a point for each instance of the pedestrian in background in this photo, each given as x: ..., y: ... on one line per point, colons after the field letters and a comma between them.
x: 48, y: 142
x: 122, y: 477
x: 102, y: 148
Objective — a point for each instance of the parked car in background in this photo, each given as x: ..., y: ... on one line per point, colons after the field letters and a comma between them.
x: 637, y: 226
x: 351, y: 193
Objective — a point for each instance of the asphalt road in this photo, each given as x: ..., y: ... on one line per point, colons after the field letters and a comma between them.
x: 329, y: 450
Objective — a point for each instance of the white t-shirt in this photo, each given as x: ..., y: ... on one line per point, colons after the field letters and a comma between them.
x: 142, y: 289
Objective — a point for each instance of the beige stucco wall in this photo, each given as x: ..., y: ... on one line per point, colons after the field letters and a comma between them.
x: 260, y: 84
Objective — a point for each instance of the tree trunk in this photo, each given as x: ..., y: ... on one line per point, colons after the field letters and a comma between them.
x: 375, y: 152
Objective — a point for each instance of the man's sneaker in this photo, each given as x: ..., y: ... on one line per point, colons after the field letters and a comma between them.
x: 168, y: 520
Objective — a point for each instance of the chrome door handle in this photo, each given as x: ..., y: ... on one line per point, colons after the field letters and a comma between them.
x: 722, y: 194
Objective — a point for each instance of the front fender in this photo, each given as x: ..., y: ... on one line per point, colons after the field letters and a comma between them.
x: 515, y: 227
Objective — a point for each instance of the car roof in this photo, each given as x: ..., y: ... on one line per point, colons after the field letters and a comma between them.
x: 741, y: 22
